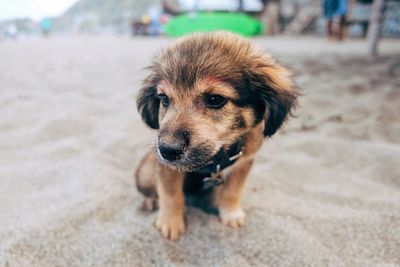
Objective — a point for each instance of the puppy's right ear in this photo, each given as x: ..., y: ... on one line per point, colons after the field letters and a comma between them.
x: 148, y: 104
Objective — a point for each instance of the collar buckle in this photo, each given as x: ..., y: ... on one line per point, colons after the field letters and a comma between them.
x: 216, y: 178
x: 238, y: 155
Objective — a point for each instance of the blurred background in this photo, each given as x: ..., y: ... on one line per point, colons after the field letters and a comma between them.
x: 23, y: 18
x: 324, y: 191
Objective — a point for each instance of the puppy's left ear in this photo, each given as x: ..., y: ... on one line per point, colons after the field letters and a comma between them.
x: 275, y: 87
x: 148, y: 104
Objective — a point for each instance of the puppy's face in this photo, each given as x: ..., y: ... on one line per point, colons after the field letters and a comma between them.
x: 208, y: 90
x: 195, y: 124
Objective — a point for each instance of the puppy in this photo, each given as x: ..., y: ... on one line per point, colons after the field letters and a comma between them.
x: 213, y: 97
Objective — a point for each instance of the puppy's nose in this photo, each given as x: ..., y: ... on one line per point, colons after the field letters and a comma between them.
x: 171, y: 152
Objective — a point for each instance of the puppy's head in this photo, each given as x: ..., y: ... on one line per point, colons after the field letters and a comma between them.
x: 207, y: 90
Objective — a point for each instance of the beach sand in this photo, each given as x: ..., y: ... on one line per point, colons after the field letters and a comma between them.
x: 324, y: 191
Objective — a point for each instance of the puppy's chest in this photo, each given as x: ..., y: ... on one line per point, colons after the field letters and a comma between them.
x: 200, y: 182
x: 216, y: 172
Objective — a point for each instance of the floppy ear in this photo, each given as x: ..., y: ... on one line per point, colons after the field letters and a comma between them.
x: 273, y: 84
x: 278, y: 107
x: 148, y: 103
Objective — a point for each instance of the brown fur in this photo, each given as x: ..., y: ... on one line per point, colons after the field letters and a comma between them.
x: 260, y: 95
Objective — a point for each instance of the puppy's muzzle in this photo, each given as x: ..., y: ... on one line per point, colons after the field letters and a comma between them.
x: 173, y: 146
x: 171, y: 152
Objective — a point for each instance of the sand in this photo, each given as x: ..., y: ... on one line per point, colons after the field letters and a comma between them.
x: 325, y: 191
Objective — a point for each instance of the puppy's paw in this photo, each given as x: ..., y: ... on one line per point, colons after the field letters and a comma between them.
x: 171, y: 227
x: 234, y: 219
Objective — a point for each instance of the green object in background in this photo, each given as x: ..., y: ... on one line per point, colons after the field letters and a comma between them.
x: 204, y: 22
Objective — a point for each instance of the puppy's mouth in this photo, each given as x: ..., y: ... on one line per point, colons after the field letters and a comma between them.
x: 190, y: 160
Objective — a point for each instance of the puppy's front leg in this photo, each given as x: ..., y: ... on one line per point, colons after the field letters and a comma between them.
x: 170, y: 219
x: 228, y: 196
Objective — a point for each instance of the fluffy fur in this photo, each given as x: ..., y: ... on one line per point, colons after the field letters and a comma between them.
x: 259, y: 95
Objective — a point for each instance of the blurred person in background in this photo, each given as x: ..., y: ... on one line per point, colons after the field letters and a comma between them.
x: 335, y: 11
x: 141, y: 26
x: 273, y: 16
x: 45, y: 26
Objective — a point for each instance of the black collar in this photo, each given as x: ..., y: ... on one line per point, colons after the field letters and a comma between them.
x: 222, y: 160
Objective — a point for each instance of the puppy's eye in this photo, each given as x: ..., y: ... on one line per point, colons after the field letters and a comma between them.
x: 215, y: 101
x: 164, y: 100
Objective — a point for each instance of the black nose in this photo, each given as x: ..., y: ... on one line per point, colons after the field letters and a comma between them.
x: 170, y: 152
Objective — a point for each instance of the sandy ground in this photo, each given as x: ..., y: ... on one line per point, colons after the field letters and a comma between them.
x: 325, y: 191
